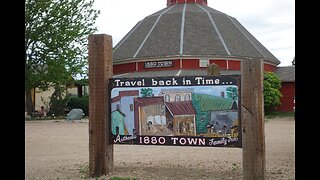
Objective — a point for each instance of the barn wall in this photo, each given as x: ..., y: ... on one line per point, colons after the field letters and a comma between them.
x: 186, y: 64
x: 221, y: 63
x: 234, y: 65
x: 124, y: 68
x: 190, y: 64
x: 287, y: 100
x: 269, y: 67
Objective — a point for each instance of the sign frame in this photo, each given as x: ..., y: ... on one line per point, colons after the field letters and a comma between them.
x: 141, y: 137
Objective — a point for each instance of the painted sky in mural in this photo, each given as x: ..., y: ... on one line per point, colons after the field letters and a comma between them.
x: 210, y: 90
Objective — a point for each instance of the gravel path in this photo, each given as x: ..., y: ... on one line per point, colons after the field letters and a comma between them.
x: 59, y: 150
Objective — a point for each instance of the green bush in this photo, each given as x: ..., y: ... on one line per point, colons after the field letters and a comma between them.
x: 58, y: 106
x: 271, y: 91
x: 79, y: 103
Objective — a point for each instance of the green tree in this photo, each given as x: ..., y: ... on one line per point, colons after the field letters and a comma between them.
x: 232, y: 92
x: 271, y: 90
x: 56, y: 34
x: 146, y: 92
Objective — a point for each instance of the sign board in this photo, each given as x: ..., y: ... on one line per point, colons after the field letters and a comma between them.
x: 158, y: 64
x: 176, y: 111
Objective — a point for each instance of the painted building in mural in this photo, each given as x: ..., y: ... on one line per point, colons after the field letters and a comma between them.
x: 181, y: 116
x: 122, y: 106
x: 183, y: 94
x: 202, y: 114
x: 182, y: 39
x: 215, y: 115
x: 118, y: 123
x: 150, y: 116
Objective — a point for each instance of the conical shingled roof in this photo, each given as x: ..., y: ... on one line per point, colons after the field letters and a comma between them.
x: 189, y: 30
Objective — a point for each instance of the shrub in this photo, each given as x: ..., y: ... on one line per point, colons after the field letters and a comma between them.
x: 79, y: 103
x: 271, y: 91
x: 57, y: 106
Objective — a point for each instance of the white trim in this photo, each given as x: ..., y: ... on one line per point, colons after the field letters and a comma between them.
x: 119, y: 75
x: 228, y: 64
x: 215, y: 27
x: 182, y: 28
x: 178, y: 73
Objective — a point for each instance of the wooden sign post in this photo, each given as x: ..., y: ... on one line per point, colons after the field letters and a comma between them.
x: 252, y: 112
x: 100, y: 70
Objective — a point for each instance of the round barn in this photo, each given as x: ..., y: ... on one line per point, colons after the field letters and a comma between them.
x: 183, y: 38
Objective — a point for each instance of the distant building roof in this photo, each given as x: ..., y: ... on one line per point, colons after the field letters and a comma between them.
x: 140, y: 101
x: 286, y: 73
x: 214, y: 103
x: 180, y: 108
x: 189, y: 30
x: 125, y: 93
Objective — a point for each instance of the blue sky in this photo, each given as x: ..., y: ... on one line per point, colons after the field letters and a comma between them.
x: 272, y: 22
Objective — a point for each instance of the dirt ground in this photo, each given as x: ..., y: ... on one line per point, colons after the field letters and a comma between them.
x: 59, y: 150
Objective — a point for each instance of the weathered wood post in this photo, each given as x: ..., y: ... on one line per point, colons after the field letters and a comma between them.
x: 252, y: 117
x: 100, y: 70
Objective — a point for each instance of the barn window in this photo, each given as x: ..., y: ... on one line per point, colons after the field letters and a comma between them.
x: 178, y: 97
x: 187, y: 97
x: 131, y: 107
x: 167, y: 98
x: 203, y: 62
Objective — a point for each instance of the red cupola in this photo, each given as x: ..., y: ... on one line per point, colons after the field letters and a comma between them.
x: 173, y: 2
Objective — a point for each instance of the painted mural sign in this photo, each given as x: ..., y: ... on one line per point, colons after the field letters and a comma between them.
x: 177, y: 111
